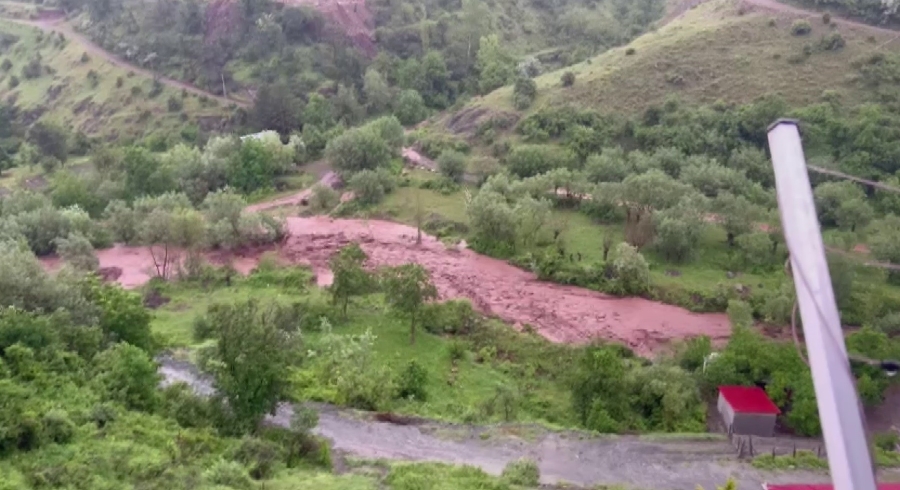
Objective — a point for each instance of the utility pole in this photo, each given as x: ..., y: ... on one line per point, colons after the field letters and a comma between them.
x: 849, y: 458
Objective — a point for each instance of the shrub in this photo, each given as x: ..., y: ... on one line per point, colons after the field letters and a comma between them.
x: 84, y: 57
x: 522, y: 472
x: 119, y: 82
x: 93, y: 78
x: 174, y: 104
x: 13, y: 81
x: 33, y: 69
x: 826, y: 18
x: 630, y: 51
x: 58, y: 427
x: 323, y: 198
x: 260, y: 456
x: 228, y: 474
x: 457, y: 350
x: 6, y: 65
x: 568, y: 79
x: 452, y: 165
x: 832, y: 41
x: 367, y: 187
x: 156, y: 89
x: 886, y: 441
x: 453, y: 317
x: 412, y: 381
x: 136, y: 90
x: 801, y: 28
x: 524, y: 92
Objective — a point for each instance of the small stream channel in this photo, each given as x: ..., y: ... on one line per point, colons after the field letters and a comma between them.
x: 577, y: 458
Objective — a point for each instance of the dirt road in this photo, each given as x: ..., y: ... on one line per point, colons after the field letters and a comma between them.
x: 579, y: 458
x: 59, y: 25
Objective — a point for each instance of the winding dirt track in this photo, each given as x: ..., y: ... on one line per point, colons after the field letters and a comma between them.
x: 58, y: 24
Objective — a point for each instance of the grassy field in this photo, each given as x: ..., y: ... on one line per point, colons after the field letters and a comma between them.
x: 86, y: 93
x: 715, y: 51
x: 456, y: 389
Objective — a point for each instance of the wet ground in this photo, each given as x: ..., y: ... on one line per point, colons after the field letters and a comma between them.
x: 643, y: 462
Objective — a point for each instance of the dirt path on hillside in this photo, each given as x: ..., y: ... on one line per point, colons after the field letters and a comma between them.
x: 776, y: 6
x: 59, y: 25
x: 578, y: 458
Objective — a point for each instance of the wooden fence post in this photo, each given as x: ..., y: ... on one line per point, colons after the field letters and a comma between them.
x: 750, y: 439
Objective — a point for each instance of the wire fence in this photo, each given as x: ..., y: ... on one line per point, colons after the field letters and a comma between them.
x: 750, y: 446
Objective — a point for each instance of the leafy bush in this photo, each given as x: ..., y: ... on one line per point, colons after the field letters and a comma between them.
x: 629, y: 51
x: 523, y: 472
x: 568, y: 79
x: 367, y: 187
x: 58, y: 427
x: 452, y: 317
x: 524, y: 92
x: 13, y: 81
x: 832, y: 41
x: 801, y: 28
x: 174, y: 104
x: 826, y: 18
x: 228, y: 474
x: 452, y: 165
x: 412, y: 382
x: 6, y: 65
x: 84, y: 57
x: 260, y: 456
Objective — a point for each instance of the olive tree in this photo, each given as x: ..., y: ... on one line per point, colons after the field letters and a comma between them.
x: 350, y: 278
x: 407, y: 288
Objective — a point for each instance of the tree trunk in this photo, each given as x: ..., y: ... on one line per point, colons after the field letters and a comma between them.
x: 730, y: 239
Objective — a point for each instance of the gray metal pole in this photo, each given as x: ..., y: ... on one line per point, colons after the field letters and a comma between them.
x: 848, y: 453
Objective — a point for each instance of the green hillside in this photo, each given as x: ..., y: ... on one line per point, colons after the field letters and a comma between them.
x: 717, y: 51
x: 47, y: 76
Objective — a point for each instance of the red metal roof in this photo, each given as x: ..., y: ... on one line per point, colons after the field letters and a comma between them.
x: 881, y: 486
x: 749, y: 399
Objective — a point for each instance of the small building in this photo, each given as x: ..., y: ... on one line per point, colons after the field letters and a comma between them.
x: 747, y: 410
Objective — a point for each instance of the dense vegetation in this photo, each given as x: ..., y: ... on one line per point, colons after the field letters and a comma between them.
x: 675, y: 204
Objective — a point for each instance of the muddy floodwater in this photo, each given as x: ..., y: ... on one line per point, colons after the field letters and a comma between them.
x: 559, y: 313
x: 578, y: 458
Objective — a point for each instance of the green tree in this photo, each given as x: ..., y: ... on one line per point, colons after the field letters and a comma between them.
x: 350, y: 278
x: 367, y: 187
x: 318, y: 112
x: 496, y: 67
x: 410, y: 107
x: 379, y: 95
x: 276, y: 108
x: 128, y: 375
x: 252, y: 356
x: 631, y: 269
x: 831, y: 196
x: 77, y: 250
x: 524, y: 92
x: 737, y: 214
x: 123, y: 317
x: 493, y: 223
x: 407, y: 288
x: 885, y: 243
x: 50, y: 139
x: 452, y: 165
x: 679, y: 229
x: 252, y: 167
x: 358, y: 149
x: 529, y: 160
x: 144, y: 173
x: 345, y: 106
x: 597, y: 388
x: 853, y: 213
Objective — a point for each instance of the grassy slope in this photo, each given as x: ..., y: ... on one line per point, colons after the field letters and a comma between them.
x: 105, y: 110
x: 474, y: 384
x: 713, y: 52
